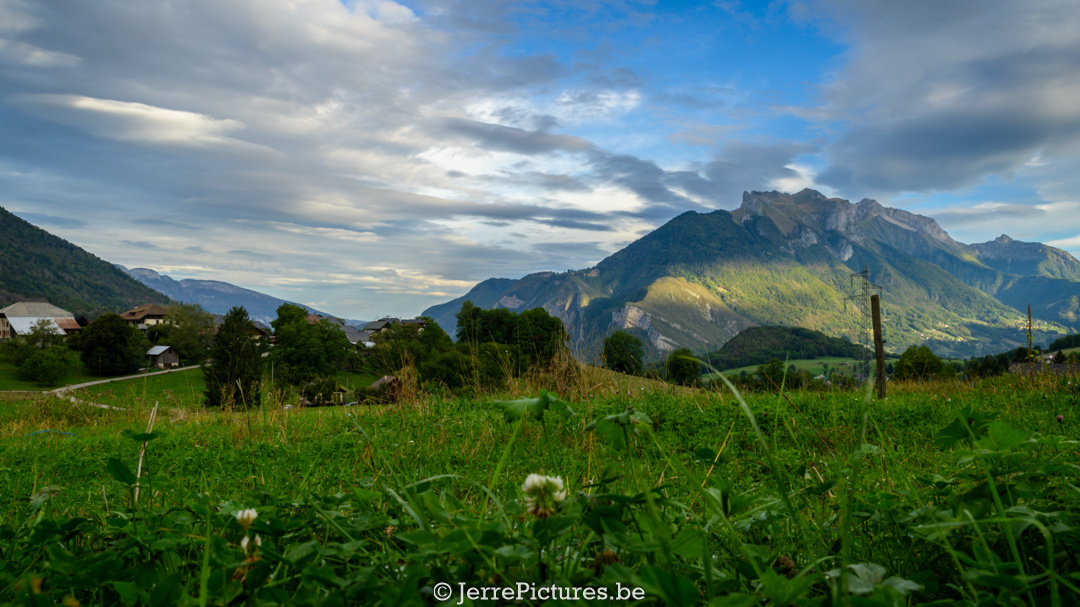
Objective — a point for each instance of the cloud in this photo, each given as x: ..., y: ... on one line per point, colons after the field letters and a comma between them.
x: 125, y: 121
x: 511, y: 139
x: 51, y: 220
x: 940, y: 95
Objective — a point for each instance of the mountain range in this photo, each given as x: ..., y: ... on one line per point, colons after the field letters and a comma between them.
x: 789, y: 259
x: 37, y: 265
x: 217, y: 297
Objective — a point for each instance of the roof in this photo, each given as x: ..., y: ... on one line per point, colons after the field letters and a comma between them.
x: 351, y: 333
x: 34, y: 309
x: 24, y: 324
x: 67, y: 323
x: 140, y: 312
x: 157, y: 350
x: 376, y: 325
x: 384, y: 380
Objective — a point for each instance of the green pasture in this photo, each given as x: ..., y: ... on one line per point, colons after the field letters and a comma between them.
x: 943, y: 492
x: 816, y: 366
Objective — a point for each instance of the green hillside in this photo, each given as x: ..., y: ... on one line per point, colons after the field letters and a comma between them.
x: 758, y: 345
x: 39, y: 266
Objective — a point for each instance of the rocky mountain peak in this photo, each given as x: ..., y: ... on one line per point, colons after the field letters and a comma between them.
x: 1003, y: 239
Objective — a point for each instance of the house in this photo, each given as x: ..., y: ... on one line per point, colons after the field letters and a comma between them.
x: 378, y: 326
x: 353, y: 334
x: 163, y: 357
x: 383, y: 324
x: 146, y: 315
x: 366, y: 339
x: 20, y: 318
x: 257, y: 330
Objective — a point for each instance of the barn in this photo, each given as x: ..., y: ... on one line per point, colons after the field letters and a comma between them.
x: 163, y: 357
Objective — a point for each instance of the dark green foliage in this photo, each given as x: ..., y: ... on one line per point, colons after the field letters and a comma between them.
x: 46, y: 366
x: 772, y: 373
x: 919, y: 363
x: 1065, y: 343
x: 233, y: 373
x: 468, y: 323
x: 306, y: 350
x: 110, y: 346
x: 623, y: 353
x: 990, y: 365
x: 531, y: 339
x: 20, y: 349
x: 682, y: 368
x: 758, y: 345
x: 188, y: 329
x: 320, y: 390
x: 38, y: 265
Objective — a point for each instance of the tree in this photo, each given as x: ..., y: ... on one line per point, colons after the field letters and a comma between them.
x: 468, y: 323
x: 772, y: 373
x: 233, y: 372
x: 538, y: 338
x: 110, y: 346
x: 682, y: 368
x: 189, y: 330
x: 918, y: 362
x: 306, y: 350
x: 624, y: 353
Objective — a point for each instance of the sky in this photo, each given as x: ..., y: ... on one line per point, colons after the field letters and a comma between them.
x: 373, y: 158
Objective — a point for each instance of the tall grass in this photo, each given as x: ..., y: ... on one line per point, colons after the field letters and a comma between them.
x: 793, y: 498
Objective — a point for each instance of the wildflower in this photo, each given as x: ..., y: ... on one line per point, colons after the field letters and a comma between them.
x: 1061, y: 419
x: 246, y: 543
x: 543, y: 494
x: 246, y: 517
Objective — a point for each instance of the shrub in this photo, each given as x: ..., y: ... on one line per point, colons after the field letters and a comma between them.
x: 47, y: 367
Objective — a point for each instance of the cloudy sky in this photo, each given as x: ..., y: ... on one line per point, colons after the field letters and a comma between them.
x: 368, y: 157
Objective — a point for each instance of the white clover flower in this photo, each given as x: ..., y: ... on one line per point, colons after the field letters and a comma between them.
x: 246, y: 517
x: 244, y: 543
x: 543, y: 494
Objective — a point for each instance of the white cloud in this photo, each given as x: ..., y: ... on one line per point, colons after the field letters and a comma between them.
x: 125, y: 121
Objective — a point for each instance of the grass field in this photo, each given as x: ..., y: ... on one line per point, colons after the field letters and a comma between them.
x: 816, y: 366
x: 962, y: 493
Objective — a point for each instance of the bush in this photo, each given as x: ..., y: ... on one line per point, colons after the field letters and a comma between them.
x: 47, y: 367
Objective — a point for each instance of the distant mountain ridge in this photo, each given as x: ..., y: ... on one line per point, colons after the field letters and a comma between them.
x: 788, y: 259
x: 216, y: 296
x: 36, y: 265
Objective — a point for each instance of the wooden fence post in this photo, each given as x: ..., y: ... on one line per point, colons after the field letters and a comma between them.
x: 879, y: 345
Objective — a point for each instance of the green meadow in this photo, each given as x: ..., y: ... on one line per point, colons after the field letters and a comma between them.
x: 943, y: 493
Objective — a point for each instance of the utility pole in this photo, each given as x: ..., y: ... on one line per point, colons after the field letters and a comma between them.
x: 879, y: 344
x: 861, y: 297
